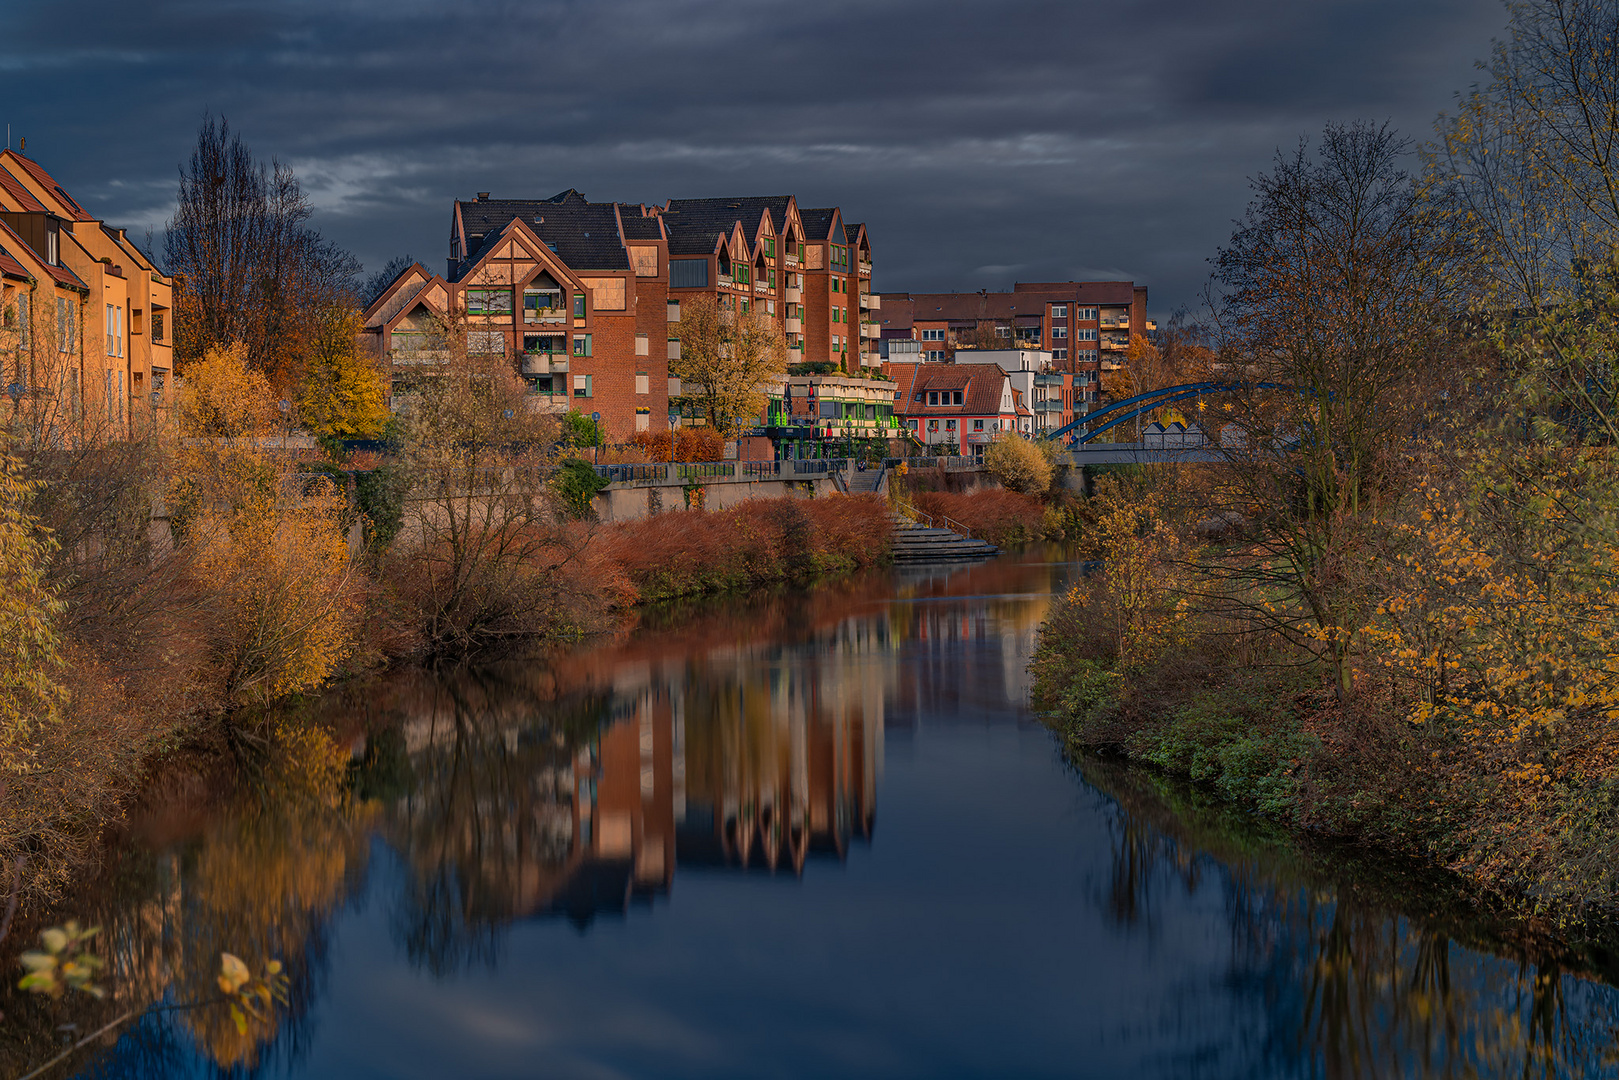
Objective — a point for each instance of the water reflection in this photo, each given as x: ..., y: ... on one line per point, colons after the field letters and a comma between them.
x: 456, y: 825
x: 1336, y: 983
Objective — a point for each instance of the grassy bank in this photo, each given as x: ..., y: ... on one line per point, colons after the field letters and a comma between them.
x: 1490, y: 751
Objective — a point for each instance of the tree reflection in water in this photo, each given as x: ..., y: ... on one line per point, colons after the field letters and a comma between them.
x: 1331, y: 979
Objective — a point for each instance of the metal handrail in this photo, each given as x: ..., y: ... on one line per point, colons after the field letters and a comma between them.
x: 907, y: 510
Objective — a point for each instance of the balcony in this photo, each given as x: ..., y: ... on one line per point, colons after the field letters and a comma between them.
x: 674, y: 350
x: 1114, y: 324
x: 870, y: 330
x: 1048, y: 378
x: 760, y: 288
x: 792, y: 259
x: 874, y: 301
x: 725, y: 280
x: 793, y: 295
x: 865, y: 268
x: 865, y: 301
x: 795, y: 356
x: 674, y: 312
x: 1048, y: 406
x: 793, y: 326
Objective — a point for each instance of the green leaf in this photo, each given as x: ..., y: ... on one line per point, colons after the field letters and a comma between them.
x: 38, y: 961
x: 55, y: 939
x: 240, y: 1018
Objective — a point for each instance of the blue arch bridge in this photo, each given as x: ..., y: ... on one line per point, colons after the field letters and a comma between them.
x: 1192, y: 444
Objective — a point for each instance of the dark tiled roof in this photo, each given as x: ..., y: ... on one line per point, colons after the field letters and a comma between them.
x: 638, y: 225
x: 818, y: 224
x: 44, y: 180
x: 24, y: 197
x: 748, y: 209
x: 583, y: 234
x: 695, y: 237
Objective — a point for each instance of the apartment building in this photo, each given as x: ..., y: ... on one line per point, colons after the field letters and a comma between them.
x: 1048, y: 392
x: 562, y: 287
x: 959, y: 408
x: 88, y: 314
x: 1080, y: 323
x: 584, y: 296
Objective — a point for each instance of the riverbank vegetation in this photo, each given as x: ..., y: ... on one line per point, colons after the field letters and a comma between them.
x: 1387, y: 614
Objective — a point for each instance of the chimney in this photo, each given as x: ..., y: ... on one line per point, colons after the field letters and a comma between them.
x: 483, y: 196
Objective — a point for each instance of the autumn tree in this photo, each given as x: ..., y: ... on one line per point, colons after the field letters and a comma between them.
x: 255, y: 271
x: 727, y: 361
x: 1334, y: 286
x: 343, y: 390
x: 482, y: 559
x: 1019, y: 465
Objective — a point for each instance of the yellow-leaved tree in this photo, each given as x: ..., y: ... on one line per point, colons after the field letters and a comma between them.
x: 727, y: 361
x: 30, y: 695
x: 269, y: 545
x: 1019, y: 464
x: 342, y: 393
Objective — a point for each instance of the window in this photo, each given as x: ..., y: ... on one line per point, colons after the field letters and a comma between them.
x: 933, y: 397
x: 688, y: 273
x: 1088, y: 313
x: 934, y: 354
x: 933, y: 425
x: 770, y: 246
x: 1059, y: 354
x: 957, y: 397
x: 581, y: 345
x: 770, y: 307
x: 541, y: 303
x: 489, y: 301
x: 643, y: 384
x: 836, y: 314
x: 23, y: 302
x: 744, y: 307
x: 157, y: 326
x: 1084, y: 335
x: 1059, y: 332
x: 64, y: 324
x: 111, y: 347
x: 978, y: 425
x: 1059, y: 311
x: 801, y: 255
x: 578, y: 305
x: 581, y: 386
x: 950, y: 425
x: 486, y: 343
x: 643, y: 345
x: 932, y: 335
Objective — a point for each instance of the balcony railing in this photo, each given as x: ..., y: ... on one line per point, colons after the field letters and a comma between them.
x: 1047, y: 406
x: 793, y: 326
x: 793, y: 295
x: 875, y: 301
x: 1048, y: 378
x: 725, y: 279
x: 760, y: 287
x: 865, y: 269
x: 865, y: 301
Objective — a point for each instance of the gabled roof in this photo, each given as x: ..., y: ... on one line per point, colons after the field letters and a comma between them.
x: 824, y: 223
x: 520, y: 232
x: 751, y: 210
x: 397, y: 294
x: 68, y: 207
x: 583, y: 234
x: 26, y: 202
x: 982, y: 387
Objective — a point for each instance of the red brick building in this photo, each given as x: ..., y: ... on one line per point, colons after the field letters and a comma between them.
x: 1081, y: 323
x: 583, y: 296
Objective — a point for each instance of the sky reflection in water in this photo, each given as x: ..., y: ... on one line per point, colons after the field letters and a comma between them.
x: 663, y: 856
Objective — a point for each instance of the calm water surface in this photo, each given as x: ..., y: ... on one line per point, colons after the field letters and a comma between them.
x: 806, y: 836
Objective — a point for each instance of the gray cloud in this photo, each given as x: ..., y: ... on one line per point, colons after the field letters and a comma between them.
x: 980, y: 142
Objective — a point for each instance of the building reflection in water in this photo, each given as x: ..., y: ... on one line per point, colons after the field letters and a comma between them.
x: 577, y: 786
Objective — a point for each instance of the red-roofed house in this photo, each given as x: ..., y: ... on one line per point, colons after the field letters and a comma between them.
x: 958, y: 408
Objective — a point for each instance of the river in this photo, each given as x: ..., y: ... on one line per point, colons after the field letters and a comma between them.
x: 796, y: 835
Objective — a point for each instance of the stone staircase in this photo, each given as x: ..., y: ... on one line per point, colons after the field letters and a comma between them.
x: 868, y: 482
x: 921, y: 541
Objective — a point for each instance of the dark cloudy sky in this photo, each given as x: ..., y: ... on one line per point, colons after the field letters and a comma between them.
x: 981, y: 142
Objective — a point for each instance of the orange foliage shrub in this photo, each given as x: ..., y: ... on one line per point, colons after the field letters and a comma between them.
x: 691, y: 444
x: 994, y: 514
x: 763, y: 540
